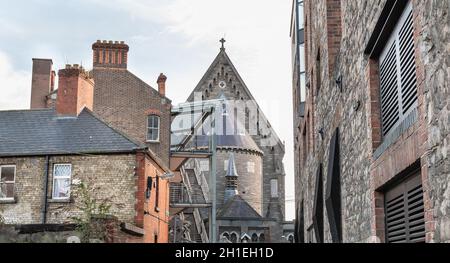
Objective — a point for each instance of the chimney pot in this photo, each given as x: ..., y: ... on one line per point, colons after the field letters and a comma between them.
x: 105, y: 51
x: 162, y: 84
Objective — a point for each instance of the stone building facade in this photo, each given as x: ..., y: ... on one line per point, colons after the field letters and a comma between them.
x: 372, y: 168
x: 244, y: 131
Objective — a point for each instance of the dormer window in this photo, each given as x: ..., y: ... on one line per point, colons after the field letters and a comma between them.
x: 153, y: 123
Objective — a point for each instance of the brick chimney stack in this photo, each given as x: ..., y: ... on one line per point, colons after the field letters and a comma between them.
x: 162, y: 84
x: 75, y: 91
x: 109, y: 54
x: 41, y: 82
x: 52, y: 81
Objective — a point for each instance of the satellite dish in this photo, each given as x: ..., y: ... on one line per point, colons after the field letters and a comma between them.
x: 73, y: 239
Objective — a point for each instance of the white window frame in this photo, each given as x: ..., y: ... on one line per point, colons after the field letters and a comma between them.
x: 153, y: 128
x: 61, y: 178
x: 394, y: 37
x: 8, y: 182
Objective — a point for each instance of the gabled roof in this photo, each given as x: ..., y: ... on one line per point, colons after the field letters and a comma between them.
x: 42, y: 132
x: 223, y: 53
x: 237, y: 207
x: 228, y: 136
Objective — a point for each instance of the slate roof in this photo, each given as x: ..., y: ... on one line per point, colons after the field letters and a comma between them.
x: 41, y: 132
x: 237, y: 207
x: 226, y: 138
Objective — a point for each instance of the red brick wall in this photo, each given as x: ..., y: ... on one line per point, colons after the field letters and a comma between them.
x: 149, y: 215
x: 408, y: 149
x: 40, y: 82
x: 124, y: 101
x: 76, y: 91
x: 334, y: 31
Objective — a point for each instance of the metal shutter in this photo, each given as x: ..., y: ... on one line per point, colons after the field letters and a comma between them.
x: 405, y: 222
x: 333, y: 190
x: 398, y: 81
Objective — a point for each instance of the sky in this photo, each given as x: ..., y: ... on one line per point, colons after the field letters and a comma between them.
x: 177, y: 37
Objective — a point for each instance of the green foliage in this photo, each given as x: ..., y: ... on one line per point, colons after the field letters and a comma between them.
x: 90, y: 206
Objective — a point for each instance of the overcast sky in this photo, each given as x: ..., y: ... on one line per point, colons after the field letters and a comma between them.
x: 177, y: 37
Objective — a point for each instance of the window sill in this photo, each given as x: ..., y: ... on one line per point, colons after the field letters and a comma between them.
x: 8, y: 201
x: 153, y: 142
x: 59, y: 201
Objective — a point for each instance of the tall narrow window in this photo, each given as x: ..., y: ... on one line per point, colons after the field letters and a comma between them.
x: 153, y: 123
x: 398, y: 80
x: 7, y: 181
x: 61, y: 181
x: 274, y: 188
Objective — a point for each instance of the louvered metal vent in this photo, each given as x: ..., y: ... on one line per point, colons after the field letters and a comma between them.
x: 405, y: 221
x: 398, y: 81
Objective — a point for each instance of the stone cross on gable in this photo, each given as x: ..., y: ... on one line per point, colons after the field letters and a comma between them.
x: 223, y: 43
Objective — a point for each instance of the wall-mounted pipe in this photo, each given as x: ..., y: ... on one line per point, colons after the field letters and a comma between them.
x: 44, y: 201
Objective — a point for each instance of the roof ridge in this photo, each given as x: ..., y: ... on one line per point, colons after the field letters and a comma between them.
x: 26, y: 110
x: 246, y: 89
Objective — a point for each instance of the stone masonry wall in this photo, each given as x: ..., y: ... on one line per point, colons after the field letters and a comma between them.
x: 249, y: 183
x: 109, y: 177
x: 332, y: 108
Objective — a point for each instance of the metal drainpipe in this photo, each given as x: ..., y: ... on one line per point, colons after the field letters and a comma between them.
x: 212, y: 189
x: 44, y: 201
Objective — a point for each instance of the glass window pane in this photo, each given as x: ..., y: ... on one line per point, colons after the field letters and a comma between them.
x: 6, y: 190
x: 62, y: 170
x: 302, y: 87
x: 300, y: 15
x: 302, y: 57
x: 61, y: 188
x: 8, y: 174
x: 10, y: 190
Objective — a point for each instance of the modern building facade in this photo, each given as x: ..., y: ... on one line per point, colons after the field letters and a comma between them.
x: 372, y: 146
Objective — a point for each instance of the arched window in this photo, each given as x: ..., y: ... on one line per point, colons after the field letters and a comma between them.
x: 234, y: 237
x: 226, y: 235
x: 291, y: 238
x: 255, y: 238
x: 153, y: 123
x: 262, y: 238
